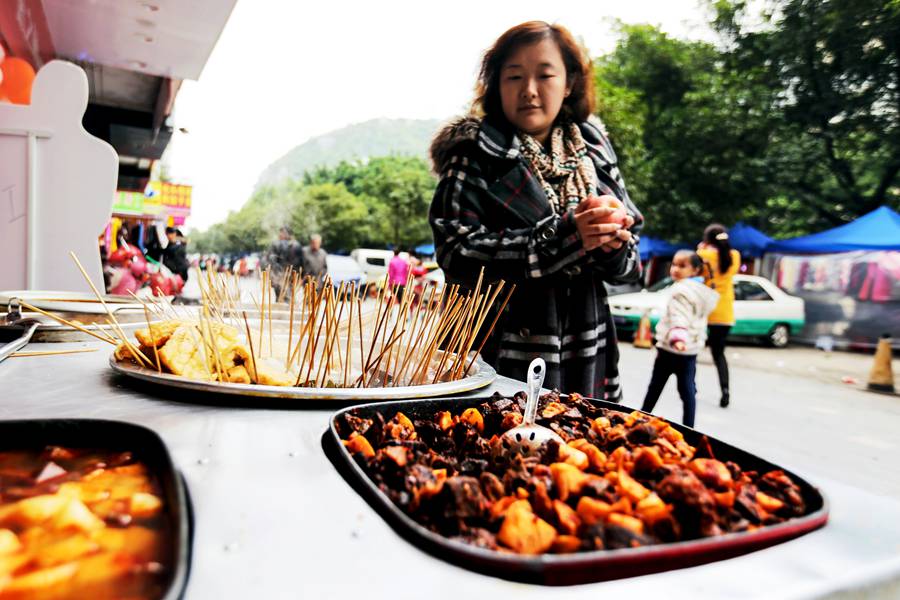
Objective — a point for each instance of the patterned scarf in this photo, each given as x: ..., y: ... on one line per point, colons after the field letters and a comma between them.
x: 565, y: 174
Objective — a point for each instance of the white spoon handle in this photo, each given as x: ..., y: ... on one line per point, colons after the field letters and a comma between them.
x: 534, y: 381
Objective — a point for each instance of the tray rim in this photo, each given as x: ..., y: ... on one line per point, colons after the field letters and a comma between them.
x: 524, y: 568
x: 485, y: 376
x: 183, y: 522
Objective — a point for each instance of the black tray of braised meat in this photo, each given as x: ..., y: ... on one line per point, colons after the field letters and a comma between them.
x: 646, y: 496
x: 99, y: 510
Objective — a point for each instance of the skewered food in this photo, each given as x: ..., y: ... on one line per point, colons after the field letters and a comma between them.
x: 618, y: 480
x: 80, y: 523
x: 401, y: 344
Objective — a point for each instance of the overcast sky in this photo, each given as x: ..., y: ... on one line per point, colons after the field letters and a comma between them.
x: 285, y: 71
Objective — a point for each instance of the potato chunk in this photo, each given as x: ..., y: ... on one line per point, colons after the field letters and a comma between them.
x: 525, y: 532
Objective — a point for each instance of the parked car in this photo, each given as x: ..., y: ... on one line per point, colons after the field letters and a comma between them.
x: 373, y: 262
x: 343, y: 269
x: 761, y: 309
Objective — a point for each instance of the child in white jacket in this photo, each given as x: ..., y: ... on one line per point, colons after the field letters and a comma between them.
x: 681, y: 333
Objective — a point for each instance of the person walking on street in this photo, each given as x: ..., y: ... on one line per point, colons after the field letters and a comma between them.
x: 681, y: 333
x: 314, y: 261
x: 723, y: 264
x: 398, y: 271
x: 530, y: 191
x: 283, y: 254
x: 175, y: 254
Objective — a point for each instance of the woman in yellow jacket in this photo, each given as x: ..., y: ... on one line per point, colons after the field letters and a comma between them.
x: 723, y: 263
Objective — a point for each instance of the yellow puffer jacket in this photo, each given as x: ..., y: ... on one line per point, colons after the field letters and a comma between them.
x: 723, y: 283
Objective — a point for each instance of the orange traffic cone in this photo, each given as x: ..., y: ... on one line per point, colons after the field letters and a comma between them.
x: 881, y: 378
x: 643, y: 337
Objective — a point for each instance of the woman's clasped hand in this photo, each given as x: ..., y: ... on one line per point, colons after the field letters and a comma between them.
x: 603, y: 223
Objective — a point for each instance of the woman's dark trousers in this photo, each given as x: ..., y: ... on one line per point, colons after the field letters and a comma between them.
x: 717, y: 336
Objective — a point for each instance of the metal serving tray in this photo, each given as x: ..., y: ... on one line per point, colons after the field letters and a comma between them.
x: 247, y: 394
x: 577, y: 568
x: 118, y: 436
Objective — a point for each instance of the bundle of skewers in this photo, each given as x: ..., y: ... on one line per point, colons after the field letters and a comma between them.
x: 327, y: 340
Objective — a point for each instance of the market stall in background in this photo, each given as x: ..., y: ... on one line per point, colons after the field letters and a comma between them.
x: 849, y: 277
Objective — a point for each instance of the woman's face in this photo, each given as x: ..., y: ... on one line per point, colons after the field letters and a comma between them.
x: 533, y: 85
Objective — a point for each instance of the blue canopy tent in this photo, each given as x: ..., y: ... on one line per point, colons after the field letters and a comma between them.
x: 425, y: 250
x: 877, y: 230
x: 747, y: 240
x: 651, y: 247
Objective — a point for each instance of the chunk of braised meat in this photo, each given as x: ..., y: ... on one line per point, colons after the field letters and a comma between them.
x: 746, y: 503
x: 614, y: 437
x: 642, y: 434
x: 778, y: 485
x: 407, y: 487
x: 695, y: 506
x: 469, y: 441
x: 599, y: 488
x: 436, y: 439
x: 616, y: 418
x: 473, y: 466
x: 399, y: 427
x: 518, y: 471
x: 350, y: 423
x: 491, y: 486
x: 540, y: 500
x: 521, y: 399
x: 459, y: 502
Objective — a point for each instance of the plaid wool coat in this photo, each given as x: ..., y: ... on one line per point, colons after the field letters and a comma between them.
x: 489, y: 211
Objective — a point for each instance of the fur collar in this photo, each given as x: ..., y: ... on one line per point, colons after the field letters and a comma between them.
x: 493, y: 139
x: 460, y: 130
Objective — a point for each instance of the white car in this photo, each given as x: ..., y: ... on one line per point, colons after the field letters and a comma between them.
x: 343, y: 269
x: 761, y: 309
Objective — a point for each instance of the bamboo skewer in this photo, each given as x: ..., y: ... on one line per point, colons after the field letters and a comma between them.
x: 152, y: 339
x: 28, y: 353
x: 138, y: 355
x: 109, y: 312
x: 287, y: 354
x: 262, y: 311
x: 362, y: 376
x: 255, y: 375
x: 271, y: 346
x: 349, y: 334
x: 491, y: 328
x: 102, y: 338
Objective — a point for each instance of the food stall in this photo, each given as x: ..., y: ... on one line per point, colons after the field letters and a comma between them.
x: 252, y: 483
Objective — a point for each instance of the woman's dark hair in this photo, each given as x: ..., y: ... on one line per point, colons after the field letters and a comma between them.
x: 716, y: 235
x: 693, y: 257
x: 579, y: 104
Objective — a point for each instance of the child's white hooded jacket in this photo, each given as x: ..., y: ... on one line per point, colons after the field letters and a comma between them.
x: 690, y: 303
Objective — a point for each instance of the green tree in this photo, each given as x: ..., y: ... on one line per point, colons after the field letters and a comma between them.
x: 834, y: 147
x: 683, y: 129
x: 396, y: 192
x: 343, y: 219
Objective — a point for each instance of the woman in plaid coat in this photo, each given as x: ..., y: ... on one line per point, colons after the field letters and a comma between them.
x: 530, y: 191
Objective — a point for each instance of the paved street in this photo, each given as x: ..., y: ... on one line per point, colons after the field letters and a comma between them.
x: 791, y: 407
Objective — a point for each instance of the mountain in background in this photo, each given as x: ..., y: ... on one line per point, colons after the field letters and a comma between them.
x: 378, y: 137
